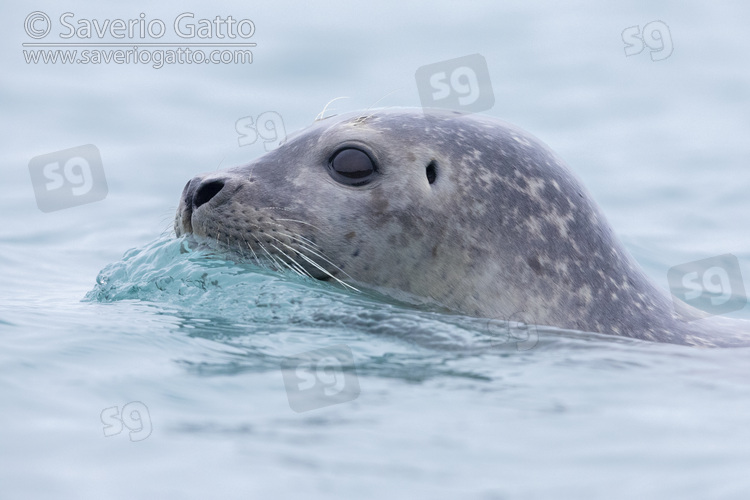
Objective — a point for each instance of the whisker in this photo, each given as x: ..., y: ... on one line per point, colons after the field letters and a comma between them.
x: 291, y: 220
x: 255, y: 256
x: 389, y: 93
x: 311, y: 247
x: 282, y: 253
x: 294, y: 262
x: 283, y: 262
x: 302, y: 222
x: 363, y: 119
x: 320, y: 115
x: 327, y: 273
x: 304, y: 244
x: 270, y: 256
x: 311, y: 243
x: 284, y: 228
x: 325, y: 259
x: 167, y: 230
x: 220, y: 162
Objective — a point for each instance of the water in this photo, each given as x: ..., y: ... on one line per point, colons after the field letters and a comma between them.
x: 447, y: 406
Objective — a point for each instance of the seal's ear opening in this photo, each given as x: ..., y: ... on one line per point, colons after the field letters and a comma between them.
x: 431, y: 172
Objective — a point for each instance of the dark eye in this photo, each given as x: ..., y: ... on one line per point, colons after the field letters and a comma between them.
x: 352, y: 167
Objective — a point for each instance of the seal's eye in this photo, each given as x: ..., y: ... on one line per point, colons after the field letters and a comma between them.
x: 352, y: 167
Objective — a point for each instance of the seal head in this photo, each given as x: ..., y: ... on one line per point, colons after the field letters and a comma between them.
x: 465, y: 211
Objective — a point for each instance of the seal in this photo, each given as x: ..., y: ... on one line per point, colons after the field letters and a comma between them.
x: 464, y: 211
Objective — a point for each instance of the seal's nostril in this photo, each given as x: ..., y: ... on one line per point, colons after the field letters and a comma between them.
x: 206, y: 191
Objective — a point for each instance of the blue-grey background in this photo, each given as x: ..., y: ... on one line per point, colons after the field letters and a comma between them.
x: 662, y: 146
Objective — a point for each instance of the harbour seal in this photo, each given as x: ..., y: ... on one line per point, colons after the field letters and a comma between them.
x: 466, y: 211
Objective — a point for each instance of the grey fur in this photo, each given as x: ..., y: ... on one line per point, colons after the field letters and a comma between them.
x: 506, y: 227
